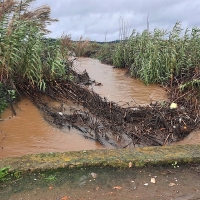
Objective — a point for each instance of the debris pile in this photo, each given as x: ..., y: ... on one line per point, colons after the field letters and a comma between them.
x: 116, y: 126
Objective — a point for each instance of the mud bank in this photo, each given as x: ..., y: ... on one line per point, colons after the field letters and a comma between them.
x: 124, y: 158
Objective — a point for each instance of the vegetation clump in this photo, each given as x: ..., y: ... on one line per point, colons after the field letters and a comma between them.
x: 4, y: 172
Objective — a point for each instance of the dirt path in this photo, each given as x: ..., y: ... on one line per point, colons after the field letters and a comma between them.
x: 171, y: 182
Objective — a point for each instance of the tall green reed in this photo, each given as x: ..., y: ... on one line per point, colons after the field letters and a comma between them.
x: 24, y: 56
x: 158, y: 56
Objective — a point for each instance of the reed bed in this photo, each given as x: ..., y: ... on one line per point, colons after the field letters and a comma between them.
x: 160, y: 56
x: 26, y: 56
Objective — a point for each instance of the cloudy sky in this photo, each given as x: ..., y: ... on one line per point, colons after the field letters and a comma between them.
x: 101, y: 19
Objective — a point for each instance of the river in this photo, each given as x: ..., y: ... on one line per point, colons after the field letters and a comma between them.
x: 29, y: 133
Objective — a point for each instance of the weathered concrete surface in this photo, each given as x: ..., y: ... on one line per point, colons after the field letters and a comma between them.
x: 117, y: 158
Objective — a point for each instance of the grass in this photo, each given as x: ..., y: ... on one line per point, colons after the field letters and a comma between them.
x: 4, y: 172
x: 51, y: 178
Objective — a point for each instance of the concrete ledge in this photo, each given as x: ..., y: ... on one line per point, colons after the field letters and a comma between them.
x: 139, y: 157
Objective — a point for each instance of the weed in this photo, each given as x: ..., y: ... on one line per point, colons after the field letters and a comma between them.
x: 51, y: 178
x: 3, y: 100
x: 4, y: 172
x: 26, y: 56
x: 17, y: 174
x: 175, y: 164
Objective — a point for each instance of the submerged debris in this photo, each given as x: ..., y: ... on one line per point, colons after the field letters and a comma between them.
x: 156, y: 124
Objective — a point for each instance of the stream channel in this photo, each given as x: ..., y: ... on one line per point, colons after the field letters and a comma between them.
x: 29, y: 133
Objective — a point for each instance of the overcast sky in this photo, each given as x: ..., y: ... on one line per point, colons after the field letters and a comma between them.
x: 100, y: 19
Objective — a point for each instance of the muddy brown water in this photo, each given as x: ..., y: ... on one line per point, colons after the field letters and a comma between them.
x: 29, y: 133
x: 118, y: 87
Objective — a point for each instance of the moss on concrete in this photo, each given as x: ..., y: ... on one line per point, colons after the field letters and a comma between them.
x: 139, y: 157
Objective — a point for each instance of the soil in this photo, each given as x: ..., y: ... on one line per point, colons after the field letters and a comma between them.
x: 172, y: 182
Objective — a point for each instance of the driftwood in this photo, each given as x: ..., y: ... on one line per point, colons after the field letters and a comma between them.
x: 111, y: 124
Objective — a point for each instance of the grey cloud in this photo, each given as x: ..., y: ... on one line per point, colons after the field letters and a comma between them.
x: 95, y: 18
